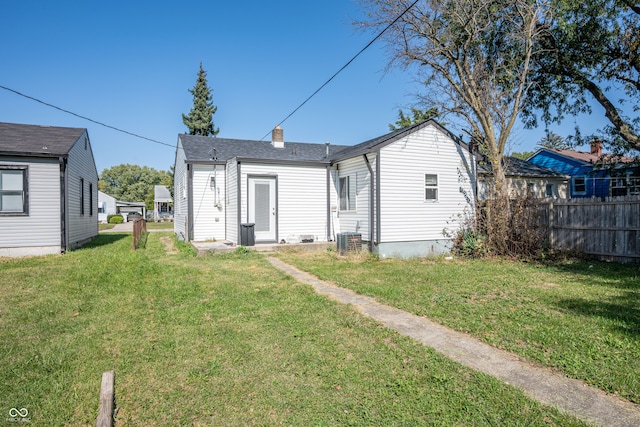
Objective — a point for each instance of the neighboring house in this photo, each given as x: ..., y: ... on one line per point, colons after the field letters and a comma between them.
x: 525, y: 178
x: 48, y: 189
x: 162, y: 203
x: 108, y: 205
x: 593, y: 174
x: 402, y: 191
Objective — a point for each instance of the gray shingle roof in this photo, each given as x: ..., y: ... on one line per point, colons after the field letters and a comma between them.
x: 161, y: 194
x: 522, y: 168
x: 201, y: 149
x: 37, y: 140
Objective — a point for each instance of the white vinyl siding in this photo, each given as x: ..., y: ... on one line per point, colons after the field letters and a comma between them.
x: 301, y: 198
x: 404, y: 214
x: 38, y: 232
x: 106, y: 206
x: 355, y: 219
x: 180, y: 191
x: 82, y: 225
x: 208, y: 202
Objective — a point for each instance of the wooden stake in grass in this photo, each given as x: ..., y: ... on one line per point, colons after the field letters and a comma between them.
x: 107, y: 399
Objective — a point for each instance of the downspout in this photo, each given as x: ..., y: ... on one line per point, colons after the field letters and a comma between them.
x: 190, y: 202
x: 63, y: 204
x: 371, y: 200
x: 328, y: 203
x: 378, y: 214
x: 238, y: 200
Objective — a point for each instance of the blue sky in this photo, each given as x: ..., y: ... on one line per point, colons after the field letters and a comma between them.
x: 129, y: 64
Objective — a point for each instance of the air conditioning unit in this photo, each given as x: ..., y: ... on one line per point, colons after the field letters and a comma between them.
x: 349, y: 242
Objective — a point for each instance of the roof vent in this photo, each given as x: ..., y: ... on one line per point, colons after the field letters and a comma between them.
x: 277, y: 137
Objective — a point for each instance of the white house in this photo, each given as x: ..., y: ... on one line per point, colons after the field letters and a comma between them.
x: 405, y: 192
x: 48, y: 189
x: 109, y: 205
x: 162, y: 203
x: 106, y: 206
x: 524, y: 178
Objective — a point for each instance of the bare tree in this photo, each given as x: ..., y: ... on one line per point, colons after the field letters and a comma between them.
x: 473, y: 56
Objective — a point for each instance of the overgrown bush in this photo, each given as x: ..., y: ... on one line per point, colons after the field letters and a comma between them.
x: 115, y: 219
x: 503, y: 227
x: 469, y: 243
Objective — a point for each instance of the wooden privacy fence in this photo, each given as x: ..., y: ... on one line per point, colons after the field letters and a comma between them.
x: 608, y: 228
x: 139, y: 228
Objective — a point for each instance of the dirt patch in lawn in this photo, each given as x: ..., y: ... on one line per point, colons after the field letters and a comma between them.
x: 169, y: 247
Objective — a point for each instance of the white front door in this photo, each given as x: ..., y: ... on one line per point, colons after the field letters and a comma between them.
x: 262, y: 207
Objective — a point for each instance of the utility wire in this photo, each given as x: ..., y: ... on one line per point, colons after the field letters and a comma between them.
x: 86, y: 118
x: 344, y: 66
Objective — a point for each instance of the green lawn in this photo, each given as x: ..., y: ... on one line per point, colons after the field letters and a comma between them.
x: 220, y: 340
x: 151, y: 225
x: 581, y: 318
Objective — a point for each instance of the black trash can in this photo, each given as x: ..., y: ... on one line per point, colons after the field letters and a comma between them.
x: 247, y: 234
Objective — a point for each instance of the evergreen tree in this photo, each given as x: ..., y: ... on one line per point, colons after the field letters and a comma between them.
x: 554, y: 141
x: 419, y: 116
x: 200, y: 118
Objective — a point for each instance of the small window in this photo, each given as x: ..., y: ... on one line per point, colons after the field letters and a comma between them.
x: 90, y: 199
x: 430, y: 187
x: 579, y: 185
x: 14, y: 198
x: 634, y: 185
x: 531, y: 189
x: 548, y: 190
x: 618, y: 185
x: 347, y: 194
x: 81, y: 196
x: 102, y: 208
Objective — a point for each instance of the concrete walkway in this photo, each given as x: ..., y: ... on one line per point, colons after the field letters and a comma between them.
x: 571, y: 396
x: 127, y: 227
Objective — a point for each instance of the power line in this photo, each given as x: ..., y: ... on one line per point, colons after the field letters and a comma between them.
x: 86, y: 118
x: 344, y: 66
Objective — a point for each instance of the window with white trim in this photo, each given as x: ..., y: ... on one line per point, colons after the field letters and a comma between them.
x: 347, y: 193
x: 431, y: 187
x: 548, y: 191
x: 579, y: 185
x: 14, y: 194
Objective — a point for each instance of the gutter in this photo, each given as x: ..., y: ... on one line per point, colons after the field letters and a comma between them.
x: 378, y: 214
x: 64, y: 220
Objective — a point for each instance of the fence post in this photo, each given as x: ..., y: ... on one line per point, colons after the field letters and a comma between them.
x: 107, y: 399
x: 551, y: 224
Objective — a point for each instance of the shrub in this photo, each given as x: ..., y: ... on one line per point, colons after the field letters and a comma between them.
x: 115, y: 219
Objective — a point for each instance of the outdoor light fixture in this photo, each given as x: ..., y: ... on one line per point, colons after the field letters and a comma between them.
x: 212, y: 183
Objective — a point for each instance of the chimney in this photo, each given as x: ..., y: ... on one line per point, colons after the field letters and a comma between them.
x: 277, y: 137
x: 596, y: 147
